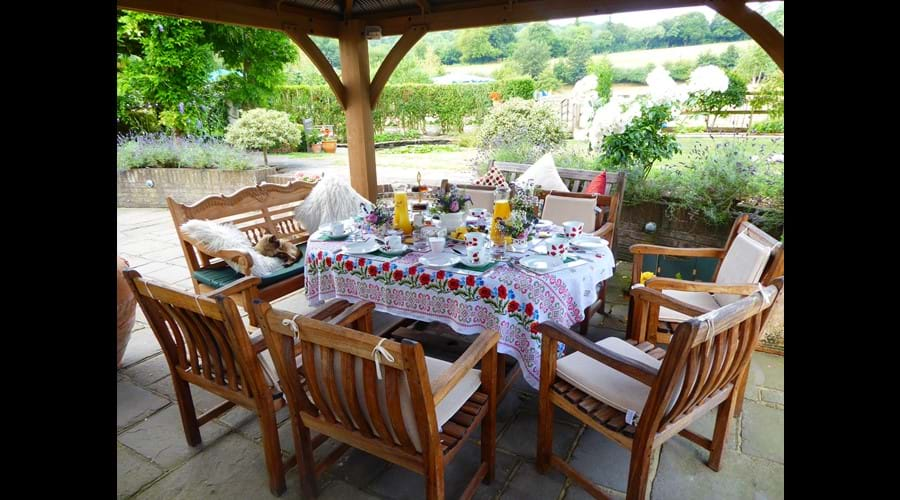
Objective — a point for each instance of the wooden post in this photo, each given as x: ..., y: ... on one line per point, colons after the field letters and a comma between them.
x: 360, y: 129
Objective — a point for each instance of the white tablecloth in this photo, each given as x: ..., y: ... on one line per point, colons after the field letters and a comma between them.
x: 504, y: 298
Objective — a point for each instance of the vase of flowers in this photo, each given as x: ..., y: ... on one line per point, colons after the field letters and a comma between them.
x: 451, y: 205
x: 380, y: 218
x: 518, y: 227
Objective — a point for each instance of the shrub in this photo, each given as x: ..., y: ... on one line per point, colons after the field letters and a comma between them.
x: 163, y: 151
x: 603, y: 70
x: 632, y: 75
x: 522, y: 88
x: 397, y: 136
x: 680, y: 70
x: 547, y: 81
x: 574, y: 157
x: 263, y: 129
x: 770, y: 126
x: 713, y: 103
x: 519, y: 123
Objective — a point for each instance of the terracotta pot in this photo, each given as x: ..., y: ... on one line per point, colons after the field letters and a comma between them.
x: 329, y: 146
x: 316, y: 148
x: 126, y: 304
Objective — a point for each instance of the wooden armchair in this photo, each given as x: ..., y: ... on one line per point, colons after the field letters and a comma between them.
x: 205, y: 344
x: 639, y: 395
x: 750, y: 258
x: 255, y: 210
x: 381, y: 396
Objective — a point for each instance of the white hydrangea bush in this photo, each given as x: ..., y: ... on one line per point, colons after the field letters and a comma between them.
x: 707, y: 79
x: 263, y: 129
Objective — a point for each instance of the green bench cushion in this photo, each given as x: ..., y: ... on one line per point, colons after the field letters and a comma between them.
x: 221, y: 276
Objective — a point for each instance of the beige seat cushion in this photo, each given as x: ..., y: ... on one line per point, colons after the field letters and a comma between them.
x: 699, y: 299
x: 481, y: 198
x: 744, y: 263
x: 544, y: 174
x: 560, y: 209
x: 446, y: 409
x: 607, y: 384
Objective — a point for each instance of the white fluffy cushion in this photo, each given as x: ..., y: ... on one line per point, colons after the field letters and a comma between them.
x: 332, y: 200
x: 544, y: 174
x: 217, y: 237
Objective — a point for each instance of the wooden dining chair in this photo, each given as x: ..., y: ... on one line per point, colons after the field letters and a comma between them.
x: 639, y: 395
x: 750, y: 258
x: 482, y: 196
x: 383, y: 397
x: 205, y: 344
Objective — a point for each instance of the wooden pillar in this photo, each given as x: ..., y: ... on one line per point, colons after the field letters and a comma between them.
x: 360, y: 129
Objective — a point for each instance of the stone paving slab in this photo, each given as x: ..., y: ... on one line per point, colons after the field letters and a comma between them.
x: 601, y: 460
x: 133, y: 404
x: 762, y: 434
x: 132, y: 472
x: 142, y: 345
x: 151, y: 370
x: 203, y: 399
x: 161, y: 439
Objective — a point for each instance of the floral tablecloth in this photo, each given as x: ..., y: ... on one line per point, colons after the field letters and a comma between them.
x: 504, y: 298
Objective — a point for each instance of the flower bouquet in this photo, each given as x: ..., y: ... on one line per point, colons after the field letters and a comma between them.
x: 450, y: 205
x: 518, y: 227
x: 380, y: 218
x: 524, y: 198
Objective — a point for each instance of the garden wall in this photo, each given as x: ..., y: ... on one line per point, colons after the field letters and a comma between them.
x: 186, y: 185
x: 678, y: 231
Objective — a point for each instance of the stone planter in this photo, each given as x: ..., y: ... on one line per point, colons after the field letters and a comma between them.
x: 432, y: 129
x: 316, y: 148
x: 125, y: 308
x: 149, y: 187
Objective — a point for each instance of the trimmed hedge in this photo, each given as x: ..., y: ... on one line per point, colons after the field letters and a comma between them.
x: 406, y: 105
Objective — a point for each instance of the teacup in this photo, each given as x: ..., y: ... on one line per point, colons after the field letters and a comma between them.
x: 337, y: 229
x: 478, y: 240
x: 573, y: 228
x: 437, y: 243
x: 478, y: 213
x: 477, y: 255
x: 557, y: 246
x: 393, y: 243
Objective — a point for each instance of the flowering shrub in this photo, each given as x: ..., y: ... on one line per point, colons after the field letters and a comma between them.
x: 711, y: 91
x: 263, y: 129
x: 163, y: 151
x: 520, y: 122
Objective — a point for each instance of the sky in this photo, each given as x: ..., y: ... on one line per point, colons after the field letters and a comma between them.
x: 642, y: 19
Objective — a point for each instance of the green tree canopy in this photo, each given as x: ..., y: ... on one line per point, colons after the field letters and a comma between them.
x: 531, y: 56
x: 475, y: 46
x: 502, y: 38
x: 574, y: 67
x: 722, y: 29
x: 543, y: 32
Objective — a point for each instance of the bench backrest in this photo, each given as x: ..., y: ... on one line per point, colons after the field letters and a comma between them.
x: 255, y: 210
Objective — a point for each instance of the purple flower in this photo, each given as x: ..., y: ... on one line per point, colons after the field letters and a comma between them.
x: 181, y: 107
x: 372, y: 218
x: 454, y: 206
x: 160, y: 26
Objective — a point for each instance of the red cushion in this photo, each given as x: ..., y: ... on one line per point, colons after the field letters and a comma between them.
x: 598, y: 185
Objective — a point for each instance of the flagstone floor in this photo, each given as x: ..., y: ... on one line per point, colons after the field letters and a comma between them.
x: 154, y: 461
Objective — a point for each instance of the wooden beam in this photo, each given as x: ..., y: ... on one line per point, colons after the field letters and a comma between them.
x: 456, y: 16
x: 398, y: 51
x: 321, y: 62
x: 755, y: 25
x: 243, y: 14
x: 360, y: 129
x: 424, y: 5
x: 348, y: 9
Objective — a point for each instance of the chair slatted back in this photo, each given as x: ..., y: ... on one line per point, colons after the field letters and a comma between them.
x: 343, y: 396
x: 203, y: 340
x: 705, y: 358
x: 255, y: 210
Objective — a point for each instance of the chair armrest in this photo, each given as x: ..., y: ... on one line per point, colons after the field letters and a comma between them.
x: 656, y: 297
x: 486, y: 341
x: 238, y: 286
x: 700, y: 286
x: 605, y: 231
x: 645, y: 249
x: 579, y: 343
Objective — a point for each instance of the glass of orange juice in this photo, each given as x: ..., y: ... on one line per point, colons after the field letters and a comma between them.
x: 502, y: 210
x: 401, y: 209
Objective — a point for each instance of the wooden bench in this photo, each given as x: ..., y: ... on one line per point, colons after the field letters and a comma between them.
x: 577, y: 181
x: 256, y: 211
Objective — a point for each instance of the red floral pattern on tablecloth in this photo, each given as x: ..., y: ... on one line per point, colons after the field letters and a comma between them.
x: 504, y: 298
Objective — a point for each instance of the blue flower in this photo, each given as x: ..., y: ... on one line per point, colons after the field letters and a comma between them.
x: 181, y: 107
x: 512, y: 295
x: 479, y: 282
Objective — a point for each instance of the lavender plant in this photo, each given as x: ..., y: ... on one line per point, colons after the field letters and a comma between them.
x: 164, y: 151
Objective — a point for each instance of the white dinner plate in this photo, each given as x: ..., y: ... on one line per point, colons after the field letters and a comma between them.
x: 588, y: 242
x: 439, y: 260
x: 360, y: 247
x: 540, y: 262
x: 544, y: 223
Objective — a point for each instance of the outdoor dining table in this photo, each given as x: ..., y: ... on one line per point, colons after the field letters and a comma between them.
x: 506, y: 298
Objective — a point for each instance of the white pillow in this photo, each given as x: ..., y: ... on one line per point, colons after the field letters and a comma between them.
x: 217, y: 237
x: 332, y: 200
x: 544, y: 174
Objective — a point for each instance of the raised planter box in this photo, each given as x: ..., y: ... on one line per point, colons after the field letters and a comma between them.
x: 678, y: 231
x: 149, y: 187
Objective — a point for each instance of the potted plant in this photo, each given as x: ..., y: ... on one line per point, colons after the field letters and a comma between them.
x: 329, y: 144
x: 315, y: 141
x: 126, y: 304
x: 451, y: 205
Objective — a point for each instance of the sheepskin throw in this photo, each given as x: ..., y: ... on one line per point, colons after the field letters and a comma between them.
x: 330, y: 201
x: 217, y: 237
x: 544, y: 174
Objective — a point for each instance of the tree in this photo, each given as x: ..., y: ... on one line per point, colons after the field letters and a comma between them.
x: 754, y: 64
x: 729, y: 58
x: 776, y: 18
x: 258, y: 56
x: 574, y: 67
x: 686, y: 29
x: 502, y: 38
x: 410, y: 70
x: 603, y: 42
x: 330, y: 49
x: 603, y: 70
x: 547, y: 81
x: 531, y: 56
x: 723, y: 30
x: 449, y: 54
x: 542, y: 32
x: 475, y: 46
x: 263, y: 129
x: 713, y: 103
